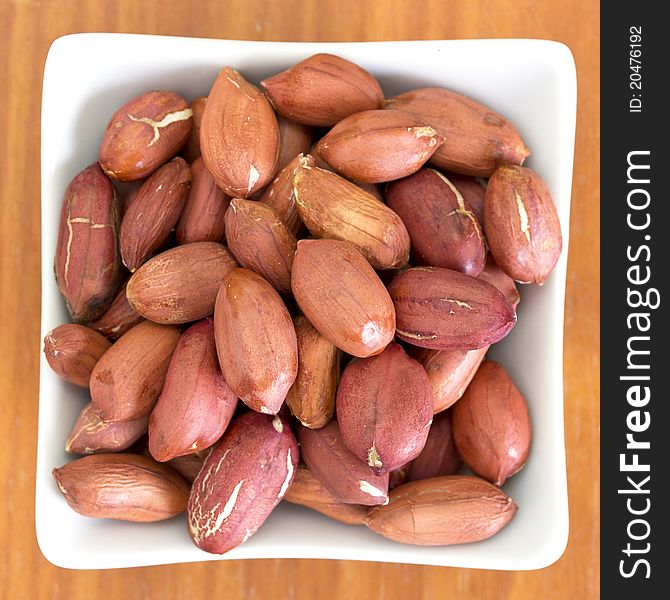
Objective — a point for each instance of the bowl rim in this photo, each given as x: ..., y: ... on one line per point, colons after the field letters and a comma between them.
x: 561, y: 59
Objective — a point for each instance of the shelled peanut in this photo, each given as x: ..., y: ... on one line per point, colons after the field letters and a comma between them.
x: 344, y: 315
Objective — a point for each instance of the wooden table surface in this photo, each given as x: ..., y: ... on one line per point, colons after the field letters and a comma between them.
x: 27, y: 28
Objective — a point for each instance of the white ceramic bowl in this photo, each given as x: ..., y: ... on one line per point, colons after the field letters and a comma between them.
x: 532, y: 82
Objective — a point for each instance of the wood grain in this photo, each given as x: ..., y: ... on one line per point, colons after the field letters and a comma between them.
x: 27, y: 27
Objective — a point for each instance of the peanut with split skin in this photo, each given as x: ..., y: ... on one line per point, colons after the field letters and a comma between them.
x: 521, y: 224
x: 143, y: 134
x: 241, y: 481
x: 447, y: 310
x: 91, y: 434
x: 442, y: 226
x: 87, y: 263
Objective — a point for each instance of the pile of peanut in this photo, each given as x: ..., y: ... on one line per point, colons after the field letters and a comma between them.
x: 340, y: 263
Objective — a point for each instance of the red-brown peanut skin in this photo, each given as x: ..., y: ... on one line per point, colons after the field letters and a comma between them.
x: 118, y: 318
x: 497, y: 277
x: 260, y: 241
x: 332, y: 207
x: 349, y: 479
x: 322, y: 90
x: 72, y: 351
x: 312, y: 395
x: 191, y: 150
x: 255, y: 341
x: 153, y: 212
x: 477, y: 140
x: 202, y: 219
x: 307, y: 490
x: 450, y: 372
x: 376, y: 189
x: 491, y: 425
x: 443, y: 228
x: 473, y: 190
x: 239, y: 136
x: 447, y: 310
x: 371, y: 188
x: 278, y: 195
x: 384, y: 408
x: 180, y: 285
x: 342, y: 296
x: 521, y: 224
x: 453, y: 509
x: 128, y: 379
x: 359, y: 146
x: 439, y: 455
x: 145, y: 133
x: 241, y: 481
x: 127, y: 487
x: 91, y: 434
x: 196, y: 405
x: 87, y: 263
x: 294, y: 138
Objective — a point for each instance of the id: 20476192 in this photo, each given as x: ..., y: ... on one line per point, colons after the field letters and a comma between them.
x: 635, y: 66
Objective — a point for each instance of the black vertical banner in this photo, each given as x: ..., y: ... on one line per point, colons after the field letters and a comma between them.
x: 635, y: 266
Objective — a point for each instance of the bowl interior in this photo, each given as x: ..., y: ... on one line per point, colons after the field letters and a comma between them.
x: 88, y: 76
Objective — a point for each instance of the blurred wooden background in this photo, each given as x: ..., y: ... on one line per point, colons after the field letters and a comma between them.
x: 27, y: 28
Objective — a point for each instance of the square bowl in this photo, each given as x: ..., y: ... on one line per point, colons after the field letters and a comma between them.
x: 532, y: 82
